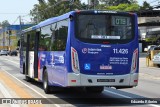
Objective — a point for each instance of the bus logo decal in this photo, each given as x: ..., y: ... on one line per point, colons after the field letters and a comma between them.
x: 91, y: 50
x: 84, y: 50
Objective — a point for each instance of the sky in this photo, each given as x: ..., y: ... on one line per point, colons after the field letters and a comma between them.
x: 11, y: 9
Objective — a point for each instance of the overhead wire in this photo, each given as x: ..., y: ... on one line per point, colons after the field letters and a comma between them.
x: 15, y: 21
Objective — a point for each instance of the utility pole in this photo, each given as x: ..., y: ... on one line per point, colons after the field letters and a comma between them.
x: 20, y: 21
x: 9, y: 38
x: 20, y: 35
x: 3, y: 40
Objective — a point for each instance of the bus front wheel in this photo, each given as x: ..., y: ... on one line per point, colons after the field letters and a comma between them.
x: 94, y: 89
x: 46, y: 87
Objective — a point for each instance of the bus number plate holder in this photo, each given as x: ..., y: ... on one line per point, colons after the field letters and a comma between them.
x: 105, y: 80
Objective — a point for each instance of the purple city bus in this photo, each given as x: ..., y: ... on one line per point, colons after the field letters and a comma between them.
x: 90, y: 49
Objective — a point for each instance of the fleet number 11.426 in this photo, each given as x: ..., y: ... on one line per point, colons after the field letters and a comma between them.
x: 120, y: 51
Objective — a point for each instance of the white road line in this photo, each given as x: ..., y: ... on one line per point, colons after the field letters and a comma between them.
x: 117, y: 94
x: 12, y: 61
x: 153, y: 105
x: 25, y: 84
x: 29, y: 87
x: 7, y: 95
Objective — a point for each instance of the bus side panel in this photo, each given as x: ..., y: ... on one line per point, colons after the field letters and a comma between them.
x: 55, y: 66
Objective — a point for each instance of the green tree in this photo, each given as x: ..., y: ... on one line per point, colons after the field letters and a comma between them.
x: 124, y: 7
x: 44, y: 10
x: 38, y: 12
x: 145, y: 6
x: 5, y: 23
x: 117, y: 2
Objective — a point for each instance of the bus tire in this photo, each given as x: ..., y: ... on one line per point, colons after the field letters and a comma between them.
x: 28, y: 79
x: 46, y: 87
x: 94, y: 89
x: 23, y: 68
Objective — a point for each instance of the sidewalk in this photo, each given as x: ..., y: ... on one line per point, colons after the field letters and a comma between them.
x: 153, y: 72
x: 142, y: 55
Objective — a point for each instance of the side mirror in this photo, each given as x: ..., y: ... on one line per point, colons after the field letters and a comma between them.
x: 71, y: 17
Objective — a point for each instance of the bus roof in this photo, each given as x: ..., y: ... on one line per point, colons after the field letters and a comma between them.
x: 64, y: 16
x: 55, y: 19
x: 48, y: 21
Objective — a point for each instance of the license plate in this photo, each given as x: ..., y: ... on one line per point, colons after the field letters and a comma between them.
x: 105, y: 80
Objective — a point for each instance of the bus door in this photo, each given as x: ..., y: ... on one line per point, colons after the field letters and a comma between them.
x: 36, y: 55
x: 30, y: 54
x: 27, y: 56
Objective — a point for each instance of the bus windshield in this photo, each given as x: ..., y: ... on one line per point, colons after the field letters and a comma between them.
x: 102, y: 28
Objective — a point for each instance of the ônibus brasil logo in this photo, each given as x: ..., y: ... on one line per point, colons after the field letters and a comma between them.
x: 84, y: 50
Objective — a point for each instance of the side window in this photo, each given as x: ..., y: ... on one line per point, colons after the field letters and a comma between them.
x: 59, y: 35
x: 53, y: 36
x: 32, y: 40
x: 24, y: 42
x: 45, y: 39
x: 63, y: 33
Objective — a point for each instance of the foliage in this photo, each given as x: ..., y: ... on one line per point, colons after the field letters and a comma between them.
x: 117, y: 2
x: 52, y: 8
x: 124, y: 7
x: 145, y: 6
x: 5, y: 23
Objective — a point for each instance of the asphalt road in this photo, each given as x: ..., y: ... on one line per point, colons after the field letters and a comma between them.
x: 148, y: 87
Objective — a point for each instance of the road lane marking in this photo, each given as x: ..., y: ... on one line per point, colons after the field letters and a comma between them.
x: 153, y: 105
x: 11, y: 61
x: 22, y: 93
x: 29, y: 87
x: 117, y: 94
x: 26, y: 84
x: 7, y: 95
